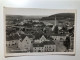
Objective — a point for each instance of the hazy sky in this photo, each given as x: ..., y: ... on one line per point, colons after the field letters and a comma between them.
x: 34, y: 11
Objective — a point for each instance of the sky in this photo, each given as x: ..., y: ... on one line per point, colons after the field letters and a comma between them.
x: 35, y: 11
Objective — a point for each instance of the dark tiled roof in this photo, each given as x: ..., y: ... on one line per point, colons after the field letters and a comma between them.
x: 9, y: 38
x: 48, y: 37
x: 38, y: 45
x: 48, y: 43
x: 30, y: 36
x: 58, y: 34
x: 22, y: 36
x: 15, y: 37
x: 44, y: 43
x: 39, y: 36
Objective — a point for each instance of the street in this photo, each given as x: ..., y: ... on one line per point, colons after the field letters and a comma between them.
x: 59, y: 46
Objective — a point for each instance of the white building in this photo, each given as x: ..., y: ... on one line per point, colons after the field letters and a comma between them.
x: 12, y: 40
x: 25, y: 44
x: 59, y: 37
x: 42, y: 39
x: 47, y: 46
x: 50, y: 48
x: 38, y: 47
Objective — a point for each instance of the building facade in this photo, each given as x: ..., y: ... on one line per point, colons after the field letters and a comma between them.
x: 25, y: 44
x: 46, y: 46
x: 59, y: 37
x: 42, y: 39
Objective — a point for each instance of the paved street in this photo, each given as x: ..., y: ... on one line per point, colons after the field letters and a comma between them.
x: 59, y: 46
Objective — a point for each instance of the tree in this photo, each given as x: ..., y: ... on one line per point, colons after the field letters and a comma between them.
x: 64, y: 28
x: 67, y: 42
x: 56, y: 29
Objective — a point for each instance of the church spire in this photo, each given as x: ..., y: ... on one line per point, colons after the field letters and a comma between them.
x: 55, y: 21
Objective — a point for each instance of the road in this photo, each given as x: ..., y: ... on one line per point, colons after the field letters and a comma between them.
x: 59, y: 46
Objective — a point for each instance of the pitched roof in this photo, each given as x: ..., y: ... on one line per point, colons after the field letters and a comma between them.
x: 22, y: 36
x: 48, y: 43
x: 44, y: 43
x: 38, y: 45
x: 30, y: 36
x: 37, y: 36
x: 43, y: 38
x: 58, y: 34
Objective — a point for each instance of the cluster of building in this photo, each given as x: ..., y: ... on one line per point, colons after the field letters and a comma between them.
x: 24, y: 35
x: 25, y: 43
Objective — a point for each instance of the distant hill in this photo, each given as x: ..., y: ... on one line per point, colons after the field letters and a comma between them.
x: 60, y: 16
x: 20, y: 17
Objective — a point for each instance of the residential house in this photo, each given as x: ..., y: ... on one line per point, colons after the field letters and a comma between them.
x: 40, y: 40
x: 38, y: 47
x: 46, y: 46
x: 24, y: 43
x: 59, y: 37
x: 12, y: 40
x: 49, y: 46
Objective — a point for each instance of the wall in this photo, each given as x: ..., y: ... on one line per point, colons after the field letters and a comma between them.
x: 48, y: 4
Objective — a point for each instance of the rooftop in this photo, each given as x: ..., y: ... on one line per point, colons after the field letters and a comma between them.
x: 44, y: 36
x: 38, y: 45
x: 48, y: 43
x: 44, y: 43
x: 15, y: 37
